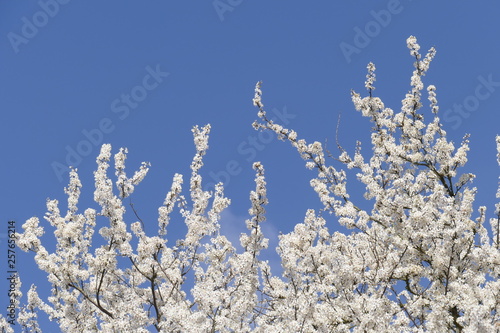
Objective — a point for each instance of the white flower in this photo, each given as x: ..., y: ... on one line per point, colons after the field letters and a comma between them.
x: 412, y: 253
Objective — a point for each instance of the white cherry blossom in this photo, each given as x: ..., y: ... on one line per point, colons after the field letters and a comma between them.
x: 413, y: 255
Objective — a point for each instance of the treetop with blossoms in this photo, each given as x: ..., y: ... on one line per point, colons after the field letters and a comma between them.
x: 418, y: 256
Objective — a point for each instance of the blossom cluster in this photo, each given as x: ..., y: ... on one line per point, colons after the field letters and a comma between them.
x: 418, y: 256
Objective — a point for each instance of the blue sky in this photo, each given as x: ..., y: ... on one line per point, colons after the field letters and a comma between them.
x: 75, y: 74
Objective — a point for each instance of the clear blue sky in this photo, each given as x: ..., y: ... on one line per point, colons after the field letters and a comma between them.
x: 140, y: 74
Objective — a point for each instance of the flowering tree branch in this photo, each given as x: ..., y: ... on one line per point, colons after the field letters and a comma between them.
x: 418, y: 258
